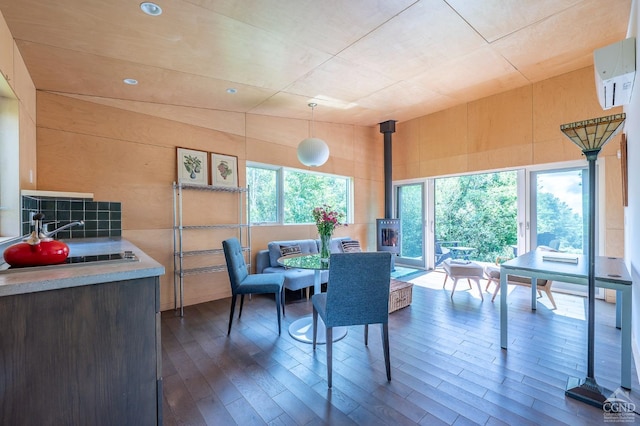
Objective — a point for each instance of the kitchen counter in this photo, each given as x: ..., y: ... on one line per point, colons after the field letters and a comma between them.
x: 42, y: 278
x: 98, y: 326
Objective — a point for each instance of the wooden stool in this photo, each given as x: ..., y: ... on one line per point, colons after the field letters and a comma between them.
x: 493, y: 275
x: 458, y: 269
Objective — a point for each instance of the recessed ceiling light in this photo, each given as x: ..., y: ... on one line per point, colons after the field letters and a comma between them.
x: 151, y: 8
x: 130, y: 81
x: 232, y: 90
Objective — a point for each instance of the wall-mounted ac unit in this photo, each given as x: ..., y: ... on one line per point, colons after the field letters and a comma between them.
x: 615, y: 70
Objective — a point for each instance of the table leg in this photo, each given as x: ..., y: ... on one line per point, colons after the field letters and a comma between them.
x: 534, y: 293
x: 618, y: 308
x: 625, y: 359
x: 302, y: 329
x: 316, y: 282
x: 503, y: 309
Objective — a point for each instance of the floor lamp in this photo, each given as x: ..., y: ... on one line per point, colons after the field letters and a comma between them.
x: 591, y: 135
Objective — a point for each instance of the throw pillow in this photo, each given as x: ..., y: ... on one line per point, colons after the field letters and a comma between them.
x: 289, y: 250
x: 351, y: 246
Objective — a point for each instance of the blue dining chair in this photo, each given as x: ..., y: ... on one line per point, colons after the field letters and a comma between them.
x: 357, y: 294
x: 242, y: 283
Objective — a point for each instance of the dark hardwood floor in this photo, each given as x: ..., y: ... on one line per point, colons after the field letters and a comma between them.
x: 447, y: 366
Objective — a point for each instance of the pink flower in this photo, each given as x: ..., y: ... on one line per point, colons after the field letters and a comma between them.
x: 326, y: 219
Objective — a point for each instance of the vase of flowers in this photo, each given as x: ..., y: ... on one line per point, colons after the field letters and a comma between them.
x: 325, y: 239
x: 326, y: 221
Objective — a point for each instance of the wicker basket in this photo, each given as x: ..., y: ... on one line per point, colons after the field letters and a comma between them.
x: 399, y: 295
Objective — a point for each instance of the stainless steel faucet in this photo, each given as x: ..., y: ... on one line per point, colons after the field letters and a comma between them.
x: 47, y: 234
x: 34, y: 238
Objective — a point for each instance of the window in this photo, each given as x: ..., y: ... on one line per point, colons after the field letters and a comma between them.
x: 558, y: 216
x: 282, y: 195
x: 263, y: 201
x: 409, y: 200
x: 10, y: 214
x: 493, y: 214
x: 476, y: 215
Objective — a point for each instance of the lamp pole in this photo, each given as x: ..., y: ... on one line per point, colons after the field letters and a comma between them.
x: 589, y: 391
x: 591, y: 158
x: 590, y: 136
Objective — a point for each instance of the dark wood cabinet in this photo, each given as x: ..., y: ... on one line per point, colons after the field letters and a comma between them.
x: 87, y: 355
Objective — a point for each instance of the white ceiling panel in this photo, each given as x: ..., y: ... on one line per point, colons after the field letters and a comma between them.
x: 362, y: 61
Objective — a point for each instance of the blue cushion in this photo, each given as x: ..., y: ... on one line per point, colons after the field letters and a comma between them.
x: 296, y: 279
x: 335, y: 245
x: 306, y: 247
x: 351, y: 246
x: 290, y: 250
x: 261, y: 283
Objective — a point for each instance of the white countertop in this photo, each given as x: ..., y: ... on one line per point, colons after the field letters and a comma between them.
x: 30, y: 280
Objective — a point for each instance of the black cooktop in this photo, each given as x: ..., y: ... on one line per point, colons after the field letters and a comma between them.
x: 127, y: 256
x: 94, y: 258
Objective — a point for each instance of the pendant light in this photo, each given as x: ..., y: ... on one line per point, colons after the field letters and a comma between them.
x: 313, y: 152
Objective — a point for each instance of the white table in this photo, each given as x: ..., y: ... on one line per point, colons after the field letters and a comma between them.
x: 610, y: 272
x: 461, y: 252
x: 302, y: 329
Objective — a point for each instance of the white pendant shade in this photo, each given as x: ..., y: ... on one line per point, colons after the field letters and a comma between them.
x: 313, y: 152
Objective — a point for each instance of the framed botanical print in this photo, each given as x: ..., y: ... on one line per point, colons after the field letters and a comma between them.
x: 193, y: 167
x: 224, y: 169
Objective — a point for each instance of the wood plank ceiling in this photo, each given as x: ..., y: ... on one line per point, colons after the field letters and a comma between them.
x: 362, y: 61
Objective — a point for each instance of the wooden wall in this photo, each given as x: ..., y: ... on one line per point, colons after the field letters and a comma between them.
x: 16, y: 86
x: 15, y: 72
x: 509, y: 130
x: 126, y: 151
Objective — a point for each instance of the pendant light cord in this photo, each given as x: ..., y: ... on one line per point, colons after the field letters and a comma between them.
x: 313, y: 106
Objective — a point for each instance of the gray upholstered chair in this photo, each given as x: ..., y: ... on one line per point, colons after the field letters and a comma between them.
x: 357, y: 294
x: 242, y: 283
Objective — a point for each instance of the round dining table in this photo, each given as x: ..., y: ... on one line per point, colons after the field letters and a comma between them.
x: 302, y: 329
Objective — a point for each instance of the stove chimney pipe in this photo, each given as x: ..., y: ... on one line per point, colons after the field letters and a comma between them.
x: 388, y: 128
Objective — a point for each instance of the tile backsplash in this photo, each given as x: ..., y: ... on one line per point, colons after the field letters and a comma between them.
x: 101, y: 218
